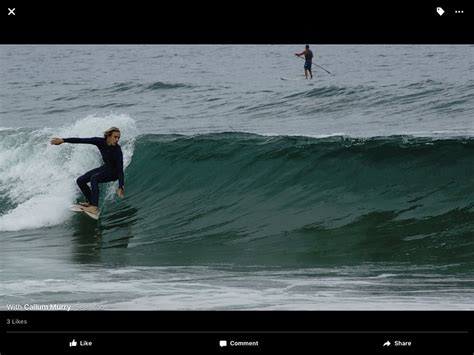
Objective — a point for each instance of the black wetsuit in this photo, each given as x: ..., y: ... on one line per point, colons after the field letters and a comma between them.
x: 112, y: 169
x: 308, y: 59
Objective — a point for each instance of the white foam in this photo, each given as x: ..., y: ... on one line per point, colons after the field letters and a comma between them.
x: 40, y: 179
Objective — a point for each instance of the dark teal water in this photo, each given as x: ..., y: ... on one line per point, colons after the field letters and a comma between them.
x: 303, y: 201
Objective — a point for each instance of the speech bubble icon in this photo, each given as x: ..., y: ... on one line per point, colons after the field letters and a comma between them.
x: 440, y: 11
x: 222, y: 343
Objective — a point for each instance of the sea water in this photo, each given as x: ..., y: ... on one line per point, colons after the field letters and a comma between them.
x: 352, y: 190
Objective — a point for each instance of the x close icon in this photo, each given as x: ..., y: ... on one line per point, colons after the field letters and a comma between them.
x: 11, y: 11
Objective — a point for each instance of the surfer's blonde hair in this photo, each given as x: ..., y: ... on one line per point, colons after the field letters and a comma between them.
x: 111, y: 130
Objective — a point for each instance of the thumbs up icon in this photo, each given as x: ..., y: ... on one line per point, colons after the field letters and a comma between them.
x: 73, y: 343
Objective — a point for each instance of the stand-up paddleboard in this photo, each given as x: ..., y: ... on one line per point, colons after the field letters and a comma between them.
x: 288, y: 79
x: 79, y: 208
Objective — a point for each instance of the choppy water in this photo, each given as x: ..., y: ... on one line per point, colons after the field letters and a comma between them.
x: 243, y: 191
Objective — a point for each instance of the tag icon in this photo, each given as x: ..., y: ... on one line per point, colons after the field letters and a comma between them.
x: 440, y: 11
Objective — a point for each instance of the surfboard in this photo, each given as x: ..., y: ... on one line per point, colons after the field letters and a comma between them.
x: 79, y: 208
x: 76, y: 208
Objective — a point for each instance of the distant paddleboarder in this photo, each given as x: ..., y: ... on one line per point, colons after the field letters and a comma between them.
x: 308, y: 59
x: 112, y: 169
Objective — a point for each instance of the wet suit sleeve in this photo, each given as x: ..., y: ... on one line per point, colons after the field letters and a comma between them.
x: 93, y: 140
x: 119, y: 160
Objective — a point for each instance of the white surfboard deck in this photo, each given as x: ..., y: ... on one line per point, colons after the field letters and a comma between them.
x: 76, y: 208
x: 79, y: 208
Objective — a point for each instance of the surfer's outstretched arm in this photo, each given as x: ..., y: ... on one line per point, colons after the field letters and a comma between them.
x: 93, y: 140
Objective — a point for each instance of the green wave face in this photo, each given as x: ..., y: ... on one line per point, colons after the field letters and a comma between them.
x: 253, y: 199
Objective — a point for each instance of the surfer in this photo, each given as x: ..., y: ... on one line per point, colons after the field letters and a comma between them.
x: 112, y: 169
x: 308, y: 59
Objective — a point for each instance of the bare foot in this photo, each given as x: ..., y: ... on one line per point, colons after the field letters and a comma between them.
x: 91, y: 209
